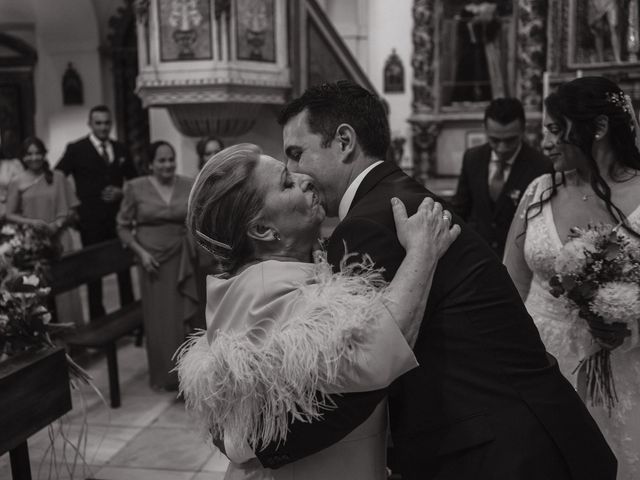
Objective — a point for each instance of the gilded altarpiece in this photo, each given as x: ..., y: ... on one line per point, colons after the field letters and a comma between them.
x: 594, y: 38
x: 465, y: 54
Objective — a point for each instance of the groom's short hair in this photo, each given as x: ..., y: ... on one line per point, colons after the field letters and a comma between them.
x: 330, y: 104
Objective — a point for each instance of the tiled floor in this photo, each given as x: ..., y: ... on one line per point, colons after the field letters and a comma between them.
x: 149, y: 437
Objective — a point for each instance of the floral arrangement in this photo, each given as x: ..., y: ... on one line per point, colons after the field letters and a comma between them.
x: 25, y: 253
x: 598, y: 273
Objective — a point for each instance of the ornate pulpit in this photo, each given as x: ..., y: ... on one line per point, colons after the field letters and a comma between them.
x: 212, y: 63
x: 465, y: 54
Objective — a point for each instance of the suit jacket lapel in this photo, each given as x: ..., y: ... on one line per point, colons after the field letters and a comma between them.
x: 374, y: 177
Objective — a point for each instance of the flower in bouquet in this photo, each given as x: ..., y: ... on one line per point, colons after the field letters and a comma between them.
x: 617, y: 302
x: 573, y: 258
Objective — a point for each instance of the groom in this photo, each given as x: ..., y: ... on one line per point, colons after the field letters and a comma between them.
x: 487, y: 401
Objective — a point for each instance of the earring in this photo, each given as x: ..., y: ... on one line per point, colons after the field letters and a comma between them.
x: 276, y: 235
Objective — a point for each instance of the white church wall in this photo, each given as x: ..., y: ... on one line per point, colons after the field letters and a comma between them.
x: 266, y: 133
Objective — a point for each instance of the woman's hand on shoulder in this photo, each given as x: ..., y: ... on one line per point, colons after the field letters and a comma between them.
x: 429, y: 230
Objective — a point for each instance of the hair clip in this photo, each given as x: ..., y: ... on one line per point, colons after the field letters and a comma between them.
x: 619, y: 99
x: 212, y: 241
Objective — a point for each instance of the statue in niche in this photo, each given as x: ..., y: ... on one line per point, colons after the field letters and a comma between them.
x: 72, y: 90
x: 393, y: 74
x: 479, y: 66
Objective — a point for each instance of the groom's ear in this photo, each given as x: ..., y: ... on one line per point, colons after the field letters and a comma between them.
x: 262, y: 233
x: 346, y: 138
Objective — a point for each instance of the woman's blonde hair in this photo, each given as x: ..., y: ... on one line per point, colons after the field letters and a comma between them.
x: 223, y: 204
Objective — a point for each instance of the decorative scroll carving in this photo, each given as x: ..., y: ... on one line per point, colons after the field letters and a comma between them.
x: 423, y: 55
x: 531, y: 58
x: 424, y: 136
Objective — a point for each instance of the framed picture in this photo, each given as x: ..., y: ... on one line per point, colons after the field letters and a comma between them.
x: 256, y: 30
x: 475, y: 138
x: 602, y: 33
x: 185, y: 30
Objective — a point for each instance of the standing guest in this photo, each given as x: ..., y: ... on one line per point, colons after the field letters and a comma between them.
x: 151, y: 222
x: 9, y: 169
x: 98, y: 166
x: 592, y: 138
x: 45, y: 199
x: 495, y: 175
x: 206, y: 148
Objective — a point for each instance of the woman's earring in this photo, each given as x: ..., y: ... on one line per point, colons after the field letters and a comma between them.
x: 276, y: 235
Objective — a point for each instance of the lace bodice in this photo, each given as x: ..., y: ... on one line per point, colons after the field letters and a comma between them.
x: 542, y: 243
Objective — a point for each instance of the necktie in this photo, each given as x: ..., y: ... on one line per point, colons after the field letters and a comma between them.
x: 104, y: 153
x: 496, y: 182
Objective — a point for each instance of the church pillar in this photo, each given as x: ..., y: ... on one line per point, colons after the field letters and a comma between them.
x: 531, y: 57
x: 424, y: 131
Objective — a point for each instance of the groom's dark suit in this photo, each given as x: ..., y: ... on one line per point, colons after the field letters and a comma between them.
x: 487, y: 401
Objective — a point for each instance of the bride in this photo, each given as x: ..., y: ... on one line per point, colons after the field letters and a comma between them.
x: 283, y: 332
x: 591, y: 136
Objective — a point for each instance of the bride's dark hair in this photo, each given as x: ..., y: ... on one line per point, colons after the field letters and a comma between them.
x: 582, y: 101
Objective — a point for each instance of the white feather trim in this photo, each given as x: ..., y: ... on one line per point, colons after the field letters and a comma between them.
x: 246, y: 388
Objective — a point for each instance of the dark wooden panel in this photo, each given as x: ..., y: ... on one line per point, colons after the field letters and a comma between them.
x: 95, y: 261
x: 34, y: 391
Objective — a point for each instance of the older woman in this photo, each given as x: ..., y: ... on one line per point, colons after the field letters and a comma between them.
x: 591, y: 136
x: 151, y: 223
x: 281, y: 328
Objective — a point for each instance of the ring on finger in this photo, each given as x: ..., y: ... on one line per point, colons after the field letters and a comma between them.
x: 446, y: 216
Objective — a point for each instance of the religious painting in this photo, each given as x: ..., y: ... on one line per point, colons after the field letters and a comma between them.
x: 185, y: 30
x: 256, y: 30
x: 475, y: 50
x: 393, y: 74
x: 603, y: 32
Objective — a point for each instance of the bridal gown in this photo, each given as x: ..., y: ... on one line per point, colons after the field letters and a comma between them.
x: 566, y: 337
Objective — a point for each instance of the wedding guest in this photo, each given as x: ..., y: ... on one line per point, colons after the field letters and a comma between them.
x: 98, y: 166
x: 206, y: 148
x: 151, y: 223
x: 44, y: 199
x: 9, y: 169
x: 276, y: 320
x: 495, y: 175
x: 591, y: 136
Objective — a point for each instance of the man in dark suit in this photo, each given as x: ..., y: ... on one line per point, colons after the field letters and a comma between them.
x: 99, y: 165
x: 495, y: 175
x: 487, y: 401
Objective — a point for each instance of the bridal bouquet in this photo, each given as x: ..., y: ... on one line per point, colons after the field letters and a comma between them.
x: 598, y: 273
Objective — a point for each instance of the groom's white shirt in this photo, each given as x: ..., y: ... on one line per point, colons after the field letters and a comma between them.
x: 350, y: 193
